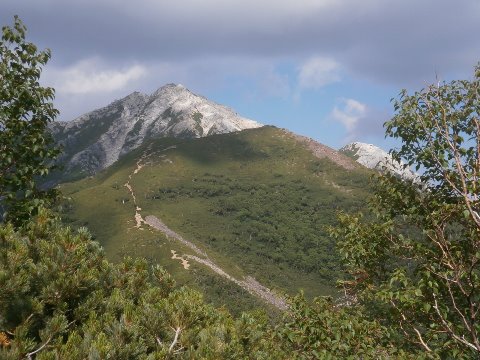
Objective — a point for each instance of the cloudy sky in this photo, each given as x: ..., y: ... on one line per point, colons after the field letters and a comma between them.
x: 322, y: 68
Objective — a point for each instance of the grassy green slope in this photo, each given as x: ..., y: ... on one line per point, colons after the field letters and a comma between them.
x: 256, y: 201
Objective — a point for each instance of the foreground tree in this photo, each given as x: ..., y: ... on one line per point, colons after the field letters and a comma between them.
x: 325, y: 330
x: 26, y: 148
x: 61, y: 299
x: 415, y: 261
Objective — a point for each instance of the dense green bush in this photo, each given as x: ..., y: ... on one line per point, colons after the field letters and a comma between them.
x: 323, y: 330
x: 61, y: 299
x: 282, y: 221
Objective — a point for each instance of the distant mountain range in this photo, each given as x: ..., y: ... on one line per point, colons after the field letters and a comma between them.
x: 96, y: 140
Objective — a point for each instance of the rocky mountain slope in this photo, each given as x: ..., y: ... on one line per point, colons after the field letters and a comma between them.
x: 375, y: 158
x: 96, y: 140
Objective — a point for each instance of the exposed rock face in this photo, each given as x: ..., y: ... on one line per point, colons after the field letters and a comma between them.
x: 97, y: 139
x: 375, y: 158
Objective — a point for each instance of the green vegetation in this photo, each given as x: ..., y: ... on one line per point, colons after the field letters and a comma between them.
x: 323, y: 330
x: 350, y: 153
x: 256, y: 201
x: 61, y: 299
x: 26, y: 149
x: 197, y: 116
x: 416, y: 265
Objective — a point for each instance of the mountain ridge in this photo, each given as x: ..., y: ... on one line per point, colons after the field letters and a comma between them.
x: 97, y: 139
x: 94, y: 141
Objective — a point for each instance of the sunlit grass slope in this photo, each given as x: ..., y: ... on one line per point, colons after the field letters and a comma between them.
x: 258, y: 202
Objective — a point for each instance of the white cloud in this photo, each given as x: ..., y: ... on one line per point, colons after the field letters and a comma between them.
x: 361, y: 122
x: 318, y: 72
x: 351, y: 112
x: 89, y: 76
x: 94, y: 83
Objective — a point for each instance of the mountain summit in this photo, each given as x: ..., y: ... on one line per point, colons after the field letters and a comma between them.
x: 97, y: 139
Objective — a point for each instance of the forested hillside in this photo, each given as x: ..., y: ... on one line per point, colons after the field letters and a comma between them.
x: 257, y: 202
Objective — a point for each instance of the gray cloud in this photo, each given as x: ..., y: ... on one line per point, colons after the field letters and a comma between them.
x: 394, y: 42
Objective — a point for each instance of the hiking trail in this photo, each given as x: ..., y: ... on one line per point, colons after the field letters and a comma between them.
x: 248, y: 283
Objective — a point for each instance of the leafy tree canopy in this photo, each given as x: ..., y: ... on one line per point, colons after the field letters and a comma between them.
x: 61, y: 299
x: 415, y: 259
x: 26, y: 148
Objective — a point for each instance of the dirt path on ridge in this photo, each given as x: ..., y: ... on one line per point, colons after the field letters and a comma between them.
x: 248, y: 283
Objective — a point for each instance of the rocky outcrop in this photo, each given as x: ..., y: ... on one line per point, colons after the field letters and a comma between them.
x: 375, y: 158
x: 97, y: 139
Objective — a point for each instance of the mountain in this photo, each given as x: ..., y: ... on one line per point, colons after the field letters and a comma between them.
x: 241, y: 216
x: 375, y: 158
x: 96, y: 140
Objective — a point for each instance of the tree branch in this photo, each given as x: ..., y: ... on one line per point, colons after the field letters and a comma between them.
x: 29, y: 355
x: 449, y: 329
x: 175, y: 339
